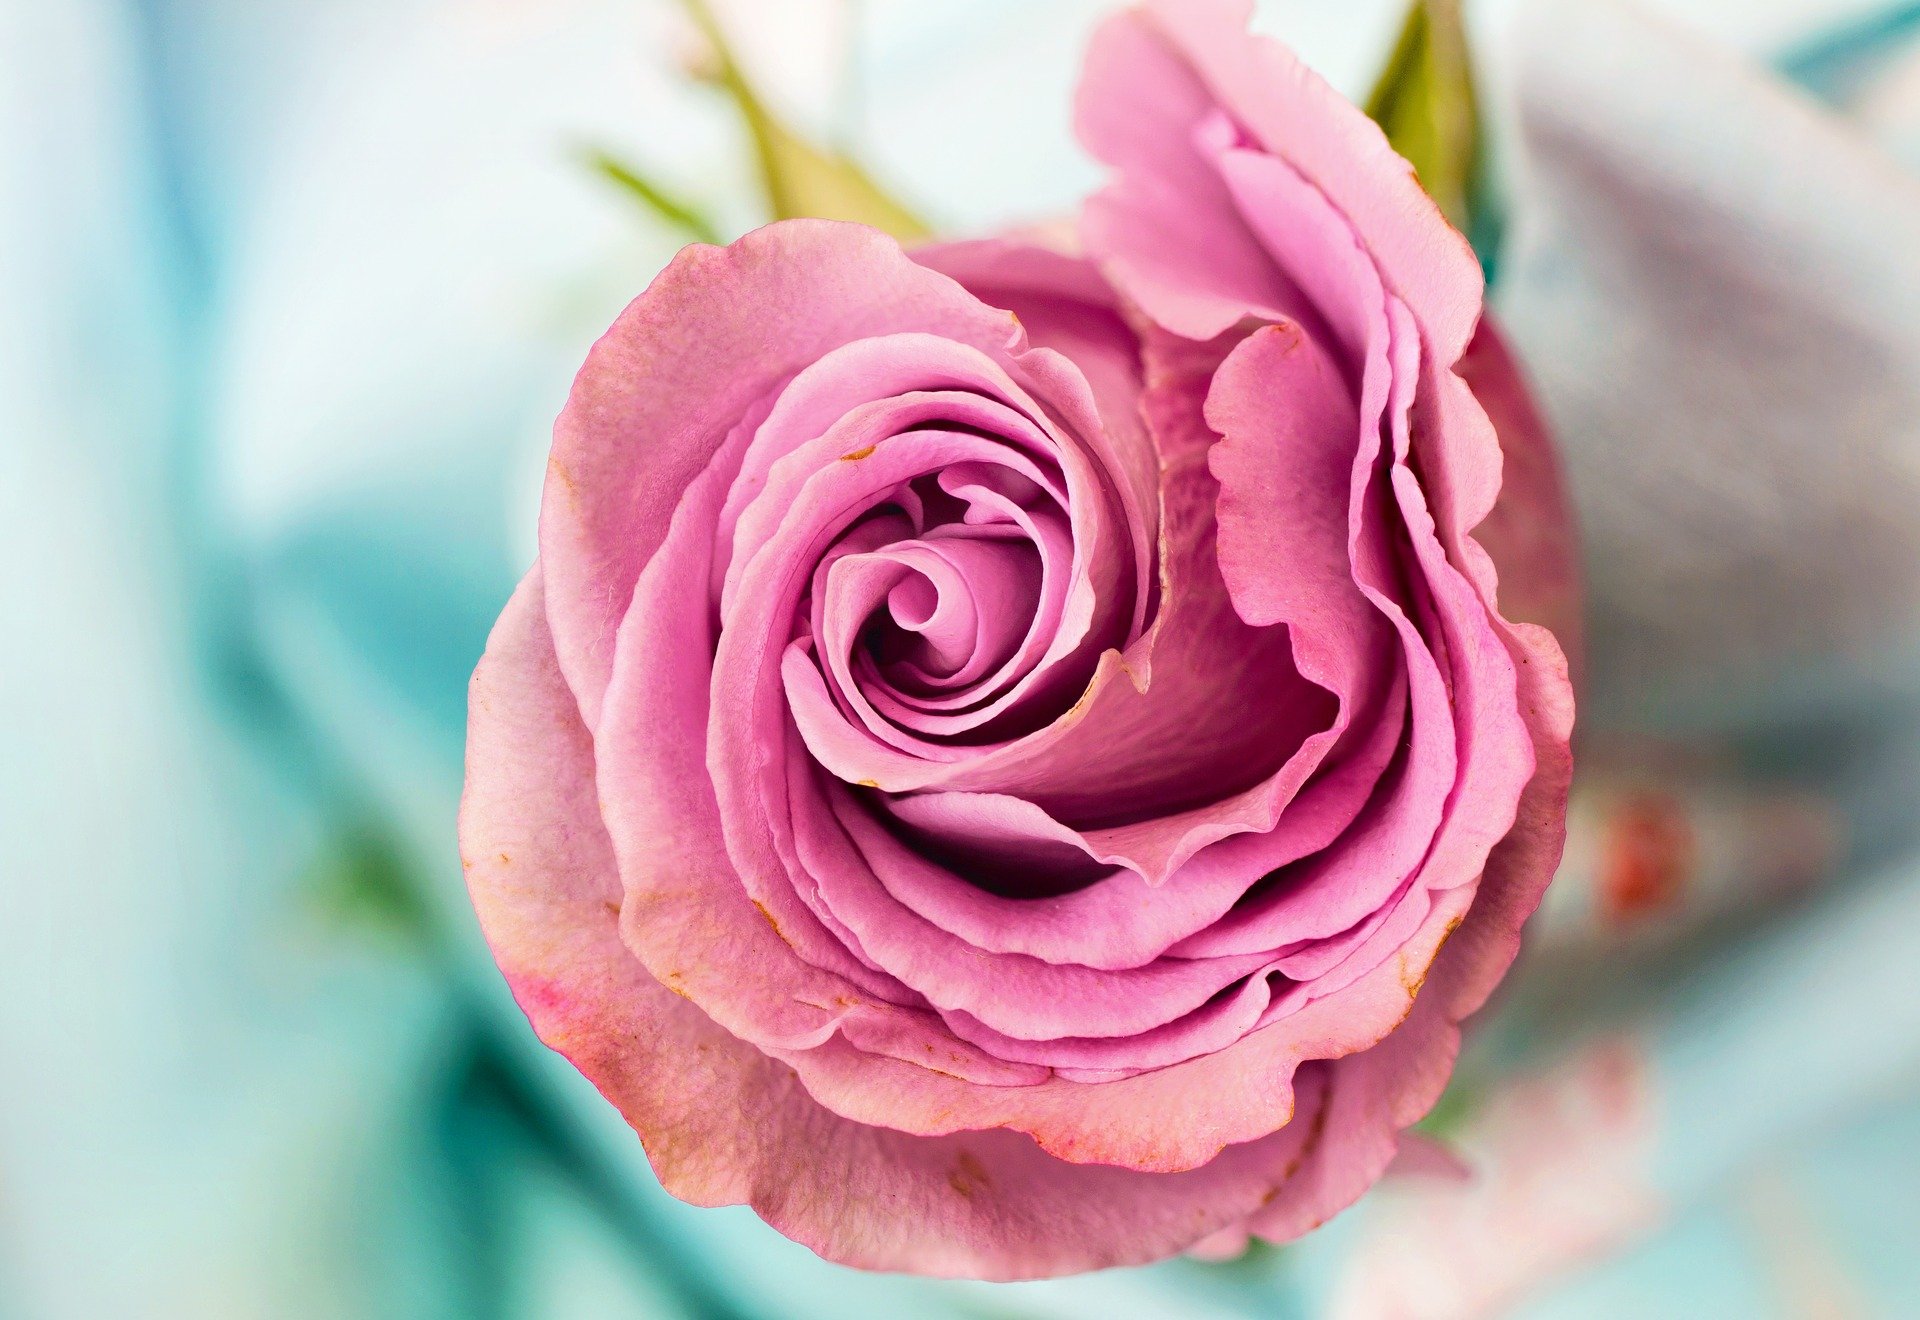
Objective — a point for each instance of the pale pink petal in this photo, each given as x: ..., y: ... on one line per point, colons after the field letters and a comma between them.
x: 651, y: 394
x: 723, y: 1123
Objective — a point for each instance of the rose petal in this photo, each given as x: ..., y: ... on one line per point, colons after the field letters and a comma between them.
x: 768, y: 306
x: 723, y: 1123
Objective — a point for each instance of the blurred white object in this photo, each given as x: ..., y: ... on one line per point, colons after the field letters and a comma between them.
x: 1716, y: 286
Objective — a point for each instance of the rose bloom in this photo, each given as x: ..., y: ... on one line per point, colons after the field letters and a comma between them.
x: 1010, y: 762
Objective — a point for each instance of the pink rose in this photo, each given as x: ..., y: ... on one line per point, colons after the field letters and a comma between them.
x: 985, y: 765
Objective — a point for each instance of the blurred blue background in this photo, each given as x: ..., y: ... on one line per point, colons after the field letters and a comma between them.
x: 289, y: 295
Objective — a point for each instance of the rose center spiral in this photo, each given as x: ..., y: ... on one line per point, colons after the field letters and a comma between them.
x: 932, y: 609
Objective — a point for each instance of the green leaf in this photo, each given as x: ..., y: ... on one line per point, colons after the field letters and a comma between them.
x: 1425, y: 102
x: 680, y: 214
x: 799, y: 178
x: 361, y: 880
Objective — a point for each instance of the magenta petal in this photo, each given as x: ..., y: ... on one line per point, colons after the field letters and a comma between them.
x: 1288, y: 110
x: 1166, y: 229
x: 722, y: 1122
x: 1011, y: 762
x: 1013, y: 993
x: 1168, y: 1119
x: 1067, y: 309
x: 767, y: 307
x: 1121, y: 920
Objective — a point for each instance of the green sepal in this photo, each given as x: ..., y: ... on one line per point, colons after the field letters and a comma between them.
x: 798, y: 177
x: 1425, y: 101
x: 676, y: 211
